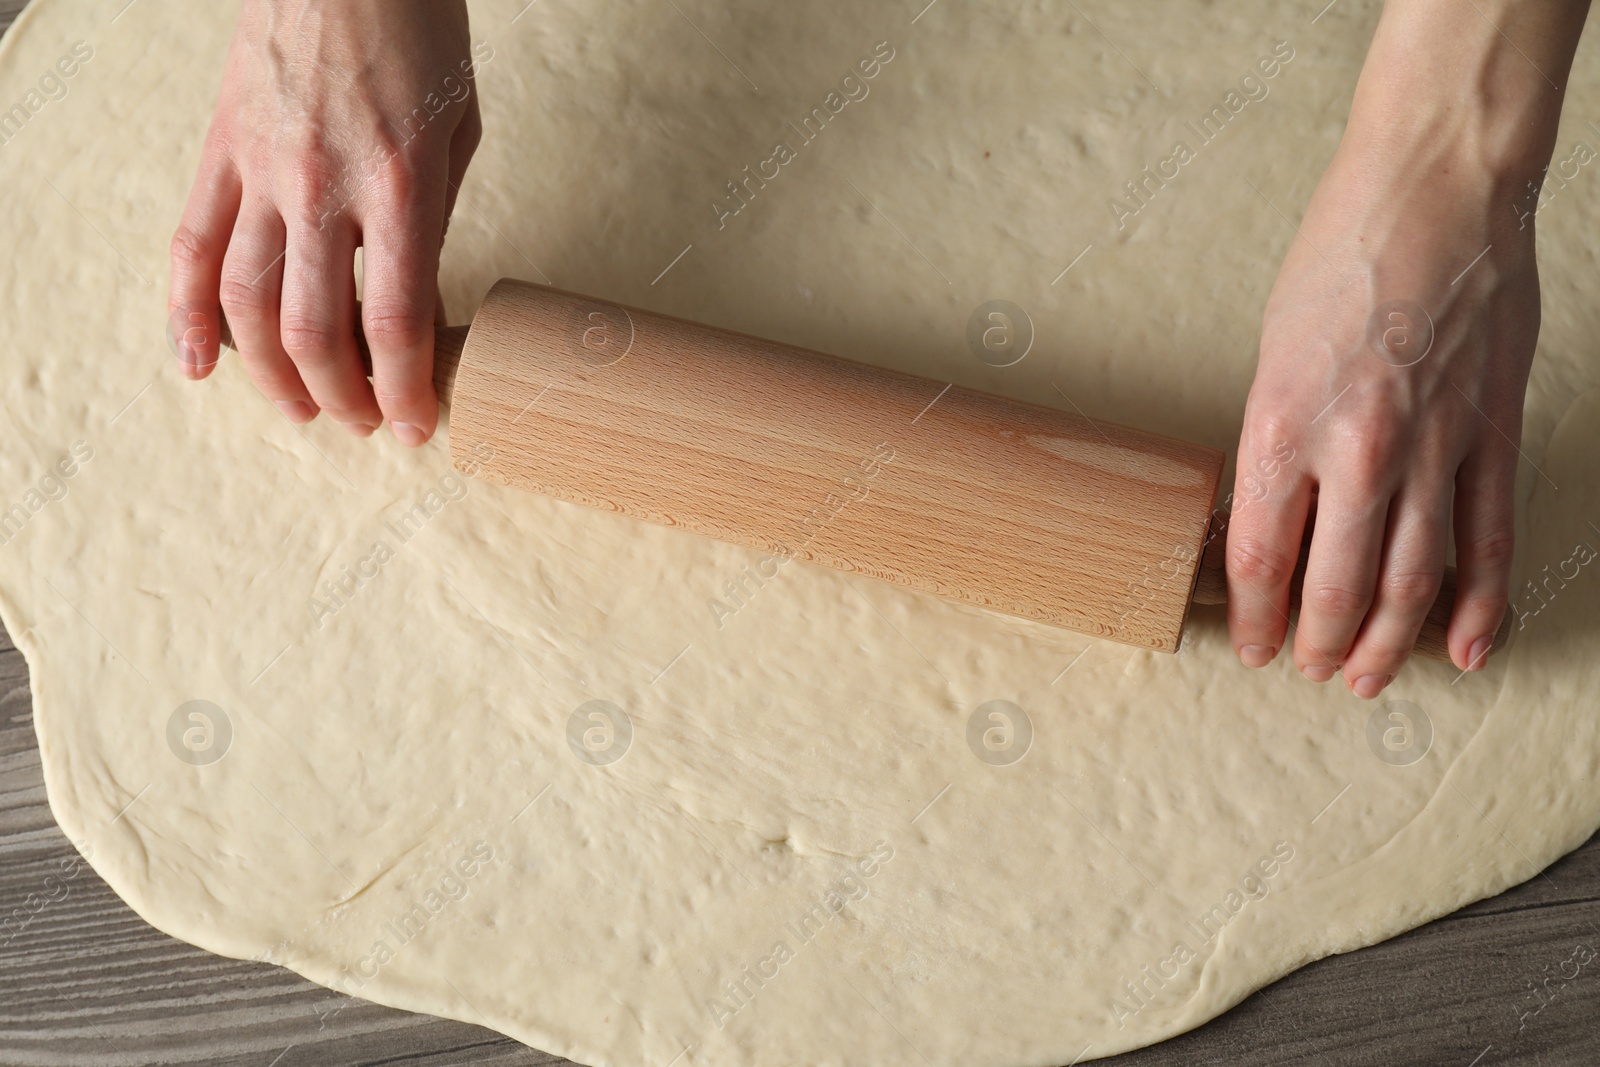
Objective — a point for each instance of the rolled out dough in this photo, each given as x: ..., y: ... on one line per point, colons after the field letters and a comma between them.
x: 402, y: 776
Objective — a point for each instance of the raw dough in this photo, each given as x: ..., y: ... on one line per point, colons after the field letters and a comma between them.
x: 400, y: 809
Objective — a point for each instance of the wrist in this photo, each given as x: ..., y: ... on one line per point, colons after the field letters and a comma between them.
x: 1467, y: 96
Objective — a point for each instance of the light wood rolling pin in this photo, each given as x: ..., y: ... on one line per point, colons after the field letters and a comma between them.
x: 1011, y: 506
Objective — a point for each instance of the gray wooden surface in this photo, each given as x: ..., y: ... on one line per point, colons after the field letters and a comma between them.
x: 85, y: 981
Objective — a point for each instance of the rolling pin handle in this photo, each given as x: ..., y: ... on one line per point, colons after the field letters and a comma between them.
x: 448, y: 341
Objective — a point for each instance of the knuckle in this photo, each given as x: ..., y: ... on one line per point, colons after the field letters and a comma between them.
x: 1264, y: 435
x: 396, y: 326
x: 189, y: 250
x: 320, y: 189
x: 245, y: 302
x: 1334, y: 601
x: 1258, y: 563
x: 313, y: 172
x: 1271, y: 427
x: 1411, y: 591
x: 1368, y: 467
x: 1490, y: 549
x: 304, y: 337
x: 1361, y: 438
x: 397, y: 172
x: 308, y: 216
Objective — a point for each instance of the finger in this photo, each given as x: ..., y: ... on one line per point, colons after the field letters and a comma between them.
x: 318, y: 327
x: 463, y: 145
x: 1408, y: 582
x: 1264, y: 535
x: 1485, y: 537
x: 199, y: 245
x: 252, y: 282
x: 1341, y: 573
x: 401, y: 261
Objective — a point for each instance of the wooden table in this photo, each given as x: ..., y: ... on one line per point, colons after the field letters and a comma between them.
x: 85, y: 981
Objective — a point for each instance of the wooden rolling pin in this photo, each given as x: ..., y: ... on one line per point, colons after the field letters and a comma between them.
x: 1011, y: 506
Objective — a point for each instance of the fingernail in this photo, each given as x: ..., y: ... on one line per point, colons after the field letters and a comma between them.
x: 1370, y: 685
x: 193, y: 366
x: 407, y: 434
x: 1256, y: 655
x: 184, y: 329
x: 1317, y: 672
x: 296, y: 411
x: 360, y: 429
x: 1479, y: 653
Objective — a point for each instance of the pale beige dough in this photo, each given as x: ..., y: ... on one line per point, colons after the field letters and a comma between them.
x: 407, y: 753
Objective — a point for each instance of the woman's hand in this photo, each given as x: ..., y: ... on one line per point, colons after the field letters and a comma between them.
x: 1395, y: 352
x: 338, y: 126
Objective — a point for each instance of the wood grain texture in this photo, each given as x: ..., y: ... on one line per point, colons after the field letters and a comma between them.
x: 1011, y: 506
x: 85, y: 982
